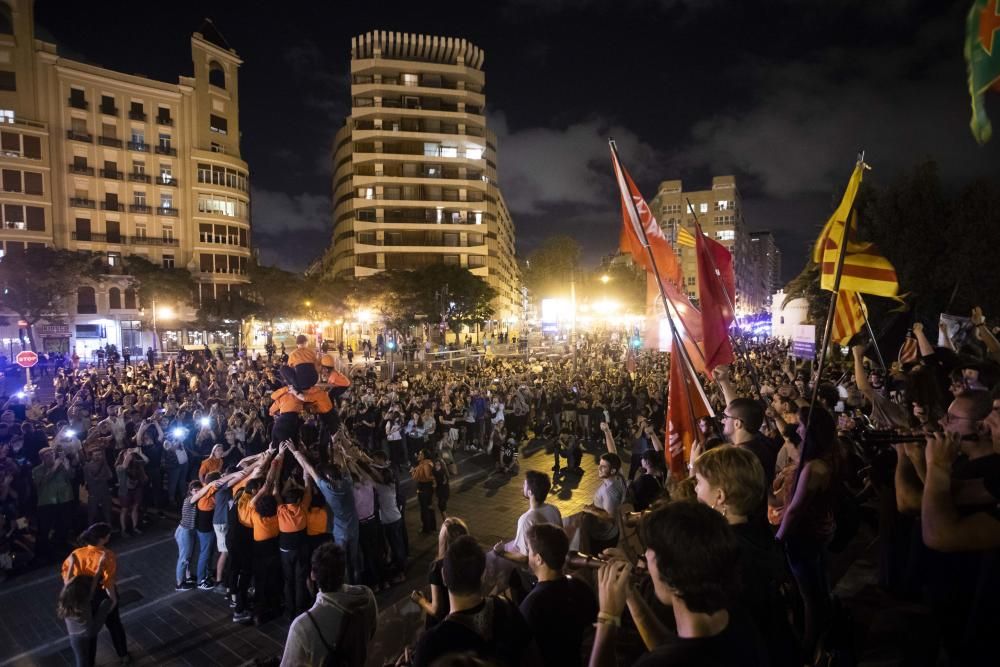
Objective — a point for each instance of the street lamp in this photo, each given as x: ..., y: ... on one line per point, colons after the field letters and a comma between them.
x: 163, y: 312
x: 605, y: 279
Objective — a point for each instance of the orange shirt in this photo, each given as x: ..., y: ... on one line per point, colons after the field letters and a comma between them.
x: 244, y: 508
x: 264, y: 528
x: 211, y: 464
x: 284, y: 401
x: 207, y: 502
x: 303, y: 355
x: 316, y: 521
x: 87, y: 559
x: 424, y: 472
x: 292, y: 516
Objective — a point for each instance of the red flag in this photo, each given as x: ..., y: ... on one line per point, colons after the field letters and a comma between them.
x: 684, y: 406
x: 716, y: 290
x: 631, y: 239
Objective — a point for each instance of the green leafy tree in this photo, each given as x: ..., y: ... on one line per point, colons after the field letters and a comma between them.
x: 549, y: 269
x: 174, y: 286
x: 38, y: 282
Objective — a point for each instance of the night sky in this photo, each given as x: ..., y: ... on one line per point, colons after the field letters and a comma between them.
x: 782, y: 97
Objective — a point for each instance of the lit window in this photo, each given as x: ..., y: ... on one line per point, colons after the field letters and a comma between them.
x: 432, y: 150
x: 477, y: 216
x: 166, y: 201
x: 726, y: 235
x: 411, y: 80
x: 474, y: 153
x: 6, y: 115
x: 449, y: 151
x: 166, y: 175
x: 703, y: 208
x: 440, y: 214
x: 721, y: 205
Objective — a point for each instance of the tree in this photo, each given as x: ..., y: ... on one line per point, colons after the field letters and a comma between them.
x: 276, y: 293
x: 153, y: 282
x: 551, y: 267
x: 37, y: 282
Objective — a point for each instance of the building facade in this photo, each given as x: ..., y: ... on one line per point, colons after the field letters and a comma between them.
x: 414, y: 166
x: 119, y: 164
x: 767, y: 257
x: 719, y: 210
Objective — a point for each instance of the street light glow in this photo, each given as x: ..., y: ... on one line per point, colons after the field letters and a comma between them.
x: 364, y: 315
x: 165, y: 313
x: 605, y: 279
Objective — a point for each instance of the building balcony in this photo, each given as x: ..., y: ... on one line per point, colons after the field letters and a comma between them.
x: 112, y: 206
x: 168, y: 211
x: 82, y: 202
x: 111, y: 173
x: 113, y: 142
x: 171, y: 181
x: 166, y: 150
x: 165, y: 120
x: 79, y: 136
x: 153, y: 240
x: 109, y: 111
x: 93, y: 237
x: 138, y: 177
x: 78, y: 103
x: 139, y: 208
x: 83, y: 170
x: 137, y: 115
x: 137, y: 146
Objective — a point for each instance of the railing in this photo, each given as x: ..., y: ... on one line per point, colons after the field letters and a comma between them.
x: 112, y: 173
x: 79, y: 104
x: 82, y: 202
x: 79, y: 136
x: 166, y: 150
x: 77, y: 169
x: 93, y: 237
x: 160, y: 180
x: 139, y: 178
x: 165, y: 120
x: 152, y: 240
x: 139, y: 208
x: 167, y: 210
x: 137, y: 115
x: 137, y: 146
x: 114, y: 142
x: 112, y: 206
x: 109, y: 111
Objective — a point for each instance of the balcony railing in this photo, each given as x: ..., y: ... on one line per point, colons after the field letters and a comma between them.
x: 137, y: 115
x: 82, y: 202
x: 109, y: 111
x: 81, y: 169
x: 79, y: 136
x: 114, y: 142
x: 112, y: 206
x: 112, y: 173
x: 78, y: 103
x: 139, y: 208
x: 152, y: 240
x: 171, y: 181
x: 165, y: 120
x: 139, y: 177
x: 166, y: 150
x: 138, y: 146
x: 93, y: 237
x: 167, y: 210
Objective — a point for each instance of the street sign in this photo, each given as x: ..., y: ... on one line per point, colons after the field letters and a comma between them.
x: 26, y: 359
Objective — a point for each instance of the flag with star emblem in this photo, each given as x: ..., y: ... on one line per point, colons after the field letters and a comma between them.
x: 982, y: 55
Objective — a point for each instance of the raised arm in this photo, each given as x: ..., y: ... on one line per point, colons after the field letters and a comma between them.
x: 724, y: 380
x: 608, y: 438
x: 926, y: 349
x: 984, y: 334
x: 860, y: 376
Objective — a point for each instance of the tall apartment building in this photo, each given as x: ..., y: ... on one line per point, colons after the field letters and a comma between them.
x: 768, y: 260
x: 720, y: 213
x: 119, y: 164
x: 415, y: 166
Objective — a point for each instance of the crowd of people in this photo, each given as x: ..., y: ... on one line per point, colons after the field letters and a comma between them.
x: 286, y: 506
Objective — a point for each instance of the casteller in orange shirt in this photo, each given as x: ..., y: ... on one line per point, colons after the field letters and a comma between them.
x: 87, y: 559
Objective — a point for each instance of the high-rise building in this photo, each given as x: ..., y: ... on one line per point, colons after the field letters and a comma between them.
x: 119, y: 164
x: 720, y: 213
x: 768, y: 260
x: 414, y: 166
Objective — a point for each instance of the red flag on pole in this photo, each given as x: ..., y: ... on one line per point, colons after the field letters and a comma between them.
x: 684, y: 406
x: 716, y: 290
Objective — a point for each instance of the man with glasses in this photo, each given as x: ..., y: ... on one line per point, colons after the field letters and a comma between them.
x: 741, y: 424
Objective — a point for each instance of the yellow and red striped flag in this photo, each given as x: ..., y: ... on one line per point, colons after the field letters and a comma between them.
x: 684, y: 237
x: 849, y: 316
x: 865, y: 269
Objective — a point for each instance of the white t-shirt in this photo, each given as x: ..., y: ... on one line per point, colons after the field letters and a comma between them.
x: 544, y: 514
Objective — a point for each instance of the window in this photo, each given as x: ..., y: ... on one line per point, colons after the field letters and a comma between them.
x: 139, y: 167
x: 166, y: 201
x: 6, y: 115
x: 130, y: 300
x: 82, y: 229
x: 35, y: 218
x: 217, y: 148
x: 476, y: 261
x: 6, y: 19
x: 137, y: 111
x: 205, y: 233
x: 474, y: 153
x: 8, y: 81
x: 411, y: 80
x: 168, y: 261
x: 244, y: 239
x: 86, y: 300
x: 140, y: 230
x: 138, y: 136
x: 77, y: 99
x: 703, y: 208
x: 139, y: 198
x: 114, y: 298
x: 163, y: 116
x: 164, y: 141
x: 450, y: 260
x: 216, y: 75
x: 33, y: 147
x: 449, y: 151
x: 108, y: 105
x: 726, y: 235
x: 690, y: 280
x: 13, y: 216
x: 11, y: 180
x: 721, y: 205
x: 114, y: 259
x: 366, y: 193
x: 166, y: 174
x: 168, y: 233
x: 218, y: 124
x: 113, y: 230
x: 432, y: 150
x: 205, y: 263
x: 477, y: 217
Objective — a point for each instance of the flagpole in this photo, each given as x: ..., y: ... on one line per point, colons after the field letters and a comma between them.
x: 663, y: 294
x: 730, y: 302
x: 868, y: 325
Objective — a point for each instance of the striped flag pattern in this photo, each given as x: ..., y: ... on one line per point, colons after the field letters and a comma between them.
x: 849, y: 316
x: 684, y: 237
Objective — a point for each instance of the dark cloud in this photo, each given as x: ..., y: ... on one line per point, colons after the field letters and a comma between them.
x: 290, y: 230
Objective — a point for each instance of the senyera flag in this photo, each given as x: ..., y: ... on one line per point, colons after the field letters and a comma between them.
x: 982, y: 55
x: 716, y: 290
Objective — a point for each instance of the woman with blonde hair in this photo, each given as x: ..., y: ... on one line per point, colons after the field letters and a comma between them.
x: 438, y: 607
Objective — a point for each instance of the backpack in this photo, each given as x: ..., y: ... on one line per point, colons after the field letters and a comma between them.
x: 351, y: 647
